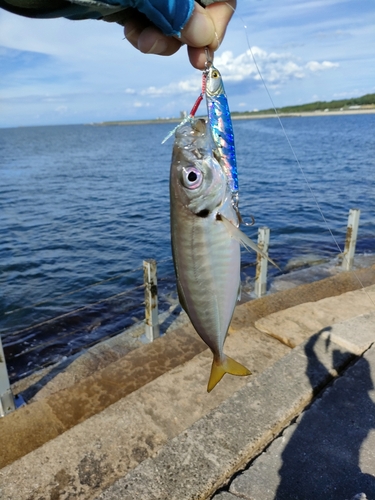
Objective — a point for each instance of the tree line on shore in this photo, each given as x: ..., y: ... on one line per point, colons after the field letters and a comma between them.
x: 366, y: 100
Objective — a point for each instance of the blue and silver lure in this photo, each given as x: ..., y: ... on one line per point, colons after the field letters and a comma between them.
x: 220, y: 122
x: 220, y: 125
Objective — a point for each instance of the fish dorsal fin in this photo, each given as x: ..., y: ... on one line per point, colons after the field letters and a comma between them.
x: 243, y: 239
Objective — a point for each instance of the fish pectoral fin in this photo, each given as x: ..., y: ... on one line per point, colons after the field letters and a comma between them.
x: 220, y: 367
x: 244, y: 240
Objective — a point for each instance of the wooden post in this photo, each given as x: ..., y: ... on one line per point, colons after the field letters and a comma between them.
x: 262, y: 262
x: 351, y: 239
x: 151, y: 300
x: 6, y: 396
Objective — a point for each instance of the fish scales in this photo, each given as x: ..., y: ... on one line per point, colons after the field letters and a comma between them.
x: 210, y: 262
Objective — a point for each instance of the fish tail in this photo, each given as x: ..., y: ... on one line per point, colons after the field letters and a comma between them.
x: 222, y: 366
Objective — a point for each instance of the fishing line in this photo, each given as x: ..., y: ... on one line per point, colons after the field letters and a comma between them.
x: 51, y: 320
x: 54, y: 299
x: 293, y: 151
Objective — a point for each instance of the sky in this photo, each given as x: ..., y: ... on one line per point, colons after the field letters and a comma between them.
x: 68, y: 72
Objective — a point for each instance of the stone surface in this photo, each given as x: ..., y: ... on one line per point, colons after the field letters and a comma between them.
x: 87, y: 386
x: 356, y: 334
x: 312, y: 292
x: 26, y: 429
x: 294, y: 325
x: 69, y: 371
x: 83, y: 460
x: 93, y: 454
x: 176, y: 369
x: 74, y: 369
x: 94, y: 393
x: 201, y: 459
x: 184, y: 391
x: 328, y: 453
x: 225, y: 495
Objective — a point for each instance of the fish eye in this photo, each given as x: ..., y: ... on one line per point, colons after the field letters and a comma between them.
x: 192, y: 177
x: 215, y: 74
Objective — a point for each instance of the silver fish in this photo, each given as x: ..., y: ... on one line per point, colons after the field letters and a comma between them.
x: 205, y: 242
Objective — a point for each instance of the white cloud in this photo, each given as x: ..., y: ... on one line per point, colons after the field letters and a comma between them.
x: 61, y: 109
x: 275, y: 68
x: 190, y: 85
x: 88, y: 67
x: 317, y: 66
x: 141, y: 104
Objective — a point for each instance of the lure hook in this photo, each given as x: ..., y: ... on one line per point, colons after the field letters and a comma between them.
x: 209, y: 59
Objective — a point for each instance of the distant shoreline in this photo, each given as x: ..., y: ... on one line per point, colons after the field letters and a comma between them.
x: 307, y: 113
x: 254, y: 116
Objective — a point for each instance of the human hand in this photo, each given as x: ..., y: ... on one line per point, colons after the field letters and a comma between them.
x: 205, y: 28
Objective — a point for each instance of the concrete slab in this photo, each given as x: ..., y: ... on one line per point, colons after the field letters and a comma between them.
x: 89, y: 384
x: 70, y: 371
x: 83, y: 460
x: 225, y: 495
x: 201, y: 459
x: 311, y: 292
x: 73, y: 370
x: 94, y: 454
x: 328, y: 453
x: 91, y: 456
x: 94, y: 393
x: 356, y: 334
x: 294, y: 325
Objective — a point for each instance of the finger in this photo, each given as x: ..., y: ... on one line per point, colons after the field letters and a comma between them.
x: 148, y: 39
x: 197, y: 57
x: 221, y: 13
x: 152, y: 41
x: 199, y: 31
x: 133, y: 28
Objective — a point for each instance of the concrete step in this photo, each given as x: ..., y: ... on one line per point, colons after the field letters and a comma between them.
x: 329, y: 452
x: 96, y: 452
x: 207, y: 455
x: 90, y: 435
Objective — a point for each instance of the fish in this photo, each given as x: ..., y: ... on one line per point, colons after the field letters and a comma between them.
x: 220, y: 122
x: 205, y: 242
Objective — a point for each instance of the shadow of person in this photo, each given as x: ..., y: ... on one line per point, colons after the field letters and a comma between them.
x: 321, y: 460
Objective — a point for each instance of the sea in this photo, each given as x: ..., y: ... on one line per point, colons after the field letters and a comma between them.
x: 82, y: 206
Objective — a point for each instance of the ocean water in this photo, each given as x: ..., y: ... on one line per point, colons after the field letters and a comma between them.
x: 82, y: 206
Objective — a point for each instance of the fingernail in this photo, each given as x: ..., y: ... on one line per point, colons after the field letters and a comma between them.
x: 129, y: 30
x: 218, y: 41
x: 159, y: 47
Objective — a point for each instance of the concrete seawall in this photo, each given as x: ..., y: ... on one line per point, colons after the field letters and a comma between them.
x: 139, y: 424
